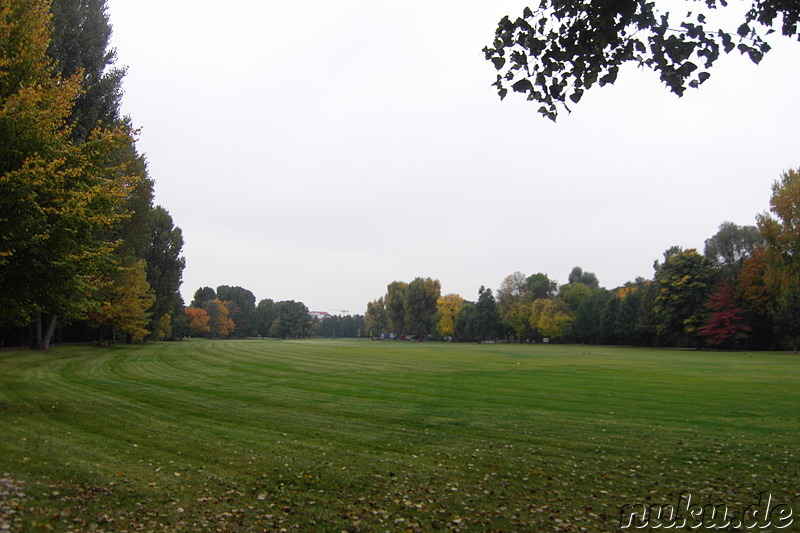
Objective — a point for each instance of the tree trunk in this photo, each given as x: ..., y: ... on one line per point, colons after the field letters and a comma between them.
x: 49, y: 332
x: 43, y: 338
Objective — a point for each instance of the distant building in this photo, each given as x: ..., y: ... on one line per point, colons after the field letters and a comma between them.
x: 319, y: 315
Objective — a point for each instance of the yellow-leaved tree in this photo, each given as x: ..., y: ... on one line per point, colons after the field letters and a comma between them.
x: 126, y: 305
x: 551, y: 318
x: 447, y: 307
x: 164, y: 330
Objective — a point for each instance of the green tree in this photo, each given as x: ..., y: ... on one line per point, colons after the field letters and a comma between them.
x: 577, y: 275
x: 292, y: 321
x: 395, y: 301
x: 513, y: 305
x: 573, y: 294
x: 646, y: 319
x: 555, y: 52
x: 588, y: 322
x: 621, y: 315
x: 202, y: 296
x: 540, y: 286
x: 263, y: 317
x: 165, y: 266
x: 787, y: 316
x: 80, y: 45
x: 241, y: 304
x: 219, y: 322
x: 685, y: 280
x: 484, y: 320
x: 463, y: 330
x: 728, y: 249
x: 421, y: 296
x: 376, y: 318
x: 337, y: 326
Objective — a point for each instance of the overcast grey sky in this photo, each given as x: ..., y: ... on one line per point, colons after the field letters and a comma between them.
x: 317, y: 151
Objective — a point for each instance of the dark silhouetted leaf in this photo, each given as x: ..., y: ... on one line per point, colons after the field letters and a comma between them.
x: 522, y: 86
x: 743, y: 30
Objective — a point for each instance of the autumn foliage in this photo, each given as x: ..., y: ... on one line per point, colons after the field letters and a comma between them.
x: 198, y: 321
x: 126, y: 305
x: 726, y: 322
x: 448, y: 307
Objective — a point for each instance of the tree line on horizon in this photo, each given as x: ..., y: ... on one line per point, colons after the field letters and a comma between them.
x: 742, y: 291
x: 231, y: 312
x: 84, y: 250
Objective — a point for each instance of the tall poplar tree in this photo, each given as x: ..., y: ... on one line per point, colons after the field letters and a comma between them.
x: 81, y: 34
x: 420, y: 305
x: 165, y: 266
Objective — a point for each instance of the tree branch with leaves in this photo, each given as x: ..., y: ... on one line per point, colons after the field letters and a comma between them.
x: 557, y: 51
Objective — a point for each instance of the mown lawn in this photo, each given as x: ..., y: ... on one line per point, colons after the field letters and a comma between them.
x: 324, y: 435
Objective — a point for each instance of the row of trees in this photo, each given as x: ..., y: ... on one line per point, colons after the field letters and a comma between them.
x: 232, y: 312
x: 743, y: 290
x: 81, y: 241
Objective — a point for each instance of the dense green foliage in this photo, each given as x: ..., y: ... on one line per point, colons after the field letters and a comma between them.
x: 80, y: 43
x: 481, y: 321
x: 728, y: 249
x: 337, y: 327
x: 164, y: 267
x: 684, y: 283
x: 405, y: 309
x: 259, y: 435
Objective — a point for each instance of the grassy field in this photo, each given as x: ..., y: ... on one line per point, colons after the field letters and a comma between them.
x: 369, y: 436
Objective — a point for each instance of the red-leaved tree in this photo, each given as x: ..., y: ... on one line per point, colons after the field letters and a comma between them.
x: 725, y: 319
